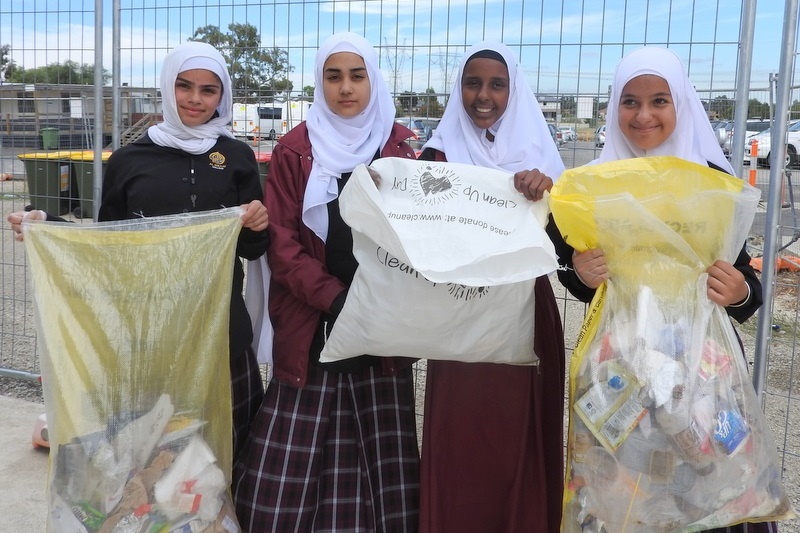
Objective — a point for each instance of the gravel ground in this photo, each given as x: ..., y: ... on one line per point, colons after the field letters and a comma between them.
x: 17, y: 342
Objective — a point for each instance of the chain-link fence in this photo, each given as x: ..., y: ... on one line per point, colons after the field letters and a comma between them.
x: 49, y: 105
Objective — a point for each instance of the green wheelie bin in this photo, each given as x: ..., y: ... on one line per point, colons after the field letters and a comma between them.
x: 83, y: 170
x: 49, y: 180
x: 49, y: 138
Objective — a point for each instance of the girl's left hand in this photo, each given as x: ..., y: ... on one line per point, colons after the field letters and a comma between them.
x: 15, y: 219
x: 532, y: 184
x: 255, y: 216
x: 726, y: 285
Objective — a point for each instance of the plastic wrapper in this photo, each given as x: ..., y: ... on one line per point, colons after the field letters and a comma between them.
x: 133, y: 319
x: 666, y: 433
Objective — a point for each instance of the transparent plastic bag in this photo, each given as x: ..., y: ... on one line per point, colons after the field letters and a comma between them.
x: 133, y: 318
x: 666, y: 433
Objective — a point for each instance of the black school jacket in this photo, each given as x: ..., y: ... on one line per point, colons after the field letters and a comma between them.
x: 144, y: 179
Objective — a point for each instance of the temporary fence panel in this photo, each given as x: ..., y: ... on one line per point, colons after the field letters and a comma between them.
x: 568, y: 51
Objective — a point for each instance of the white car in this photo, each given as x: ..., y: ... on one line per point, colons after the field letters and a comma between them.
x: 568, y: 134
x: 752, y: 127
x: 765, y: 146
x: 600, y: 136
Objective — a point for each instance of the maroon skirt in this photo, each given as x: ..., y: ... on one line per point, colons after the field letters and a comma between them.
x: 493, y: 442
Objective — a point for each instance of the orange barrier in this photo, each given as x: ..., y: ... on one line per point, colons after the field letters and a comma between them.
x: 790, y: 263
x: 753, y: 161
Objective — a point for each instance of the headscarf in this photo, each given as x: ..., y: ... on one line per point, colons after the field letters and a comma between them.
x: 693, y: 138
x: 522, y: 140
x: 340, y: 144
x: 174, y: 133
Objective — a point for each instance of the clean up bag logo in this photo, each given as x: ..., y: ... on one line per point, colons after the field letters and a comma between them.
x: 433, y: 185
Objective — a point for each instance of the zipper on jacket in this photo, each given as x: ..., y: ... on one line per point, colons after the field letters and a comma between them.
x: 193, y: 196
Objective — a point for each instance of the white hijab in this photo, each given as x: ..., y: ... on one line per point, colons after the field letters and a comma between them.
x: 693, y: 138
x: 340, y: 144
x: 174, y: 133
x: 522, y: 138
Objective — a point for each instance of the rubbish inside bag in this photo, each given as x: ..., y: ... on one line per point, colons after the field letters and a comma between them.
x: 669, y: 434
x: 152, y: 471
x: 135, y: 370
x: 697, y: 456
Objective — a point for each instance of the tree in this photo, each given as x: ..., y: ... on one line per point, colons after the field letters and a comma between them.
x: 408, y: 101
x: 569, y: 106
x: 429, y: 105
x: 722, y: 106
x: 256, y: 72
x: 794, y: 110
x: 7, y: 65
x: 68, y: 72
x: 756, y: 109
x: 308, y: 92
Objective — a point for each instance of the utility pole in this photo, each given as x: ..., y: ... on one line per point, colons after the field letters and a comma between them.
x: 394, y: 62
x: 448, y: 64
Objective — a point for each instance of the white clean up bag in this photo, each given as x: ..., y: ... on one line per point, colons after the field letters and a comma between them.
x: 448, y: 256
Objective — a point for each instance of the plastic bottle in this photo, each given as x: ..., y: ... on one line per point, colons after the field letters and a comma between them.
x: 689, y: 437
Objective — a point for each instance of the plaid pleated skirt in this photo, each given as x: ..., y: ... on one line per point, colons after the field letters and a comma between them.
x: 339, y: 454
x: 761, y: 527
x: 247, y: 392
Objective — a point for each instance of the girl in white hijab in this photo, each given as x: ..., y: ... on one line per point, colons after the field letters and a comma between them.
x: 506, y: 476
x: 334, y: 447
x: 191, y: 163
x: 521, y: 138
x: 693, y: 138
x: 172, y: 131
x: 655, y: 111
x: 339, y: 144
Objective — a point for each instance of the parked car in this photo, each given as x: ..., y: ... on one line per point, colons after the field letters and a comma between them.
x: 724, y: 132
x: 415, y: 125
x: 556, y: 134
x: 600, y: 136
x: 765, y: 146
x: 756, y: 126
x: 430, y: 125
x: 568, y: 133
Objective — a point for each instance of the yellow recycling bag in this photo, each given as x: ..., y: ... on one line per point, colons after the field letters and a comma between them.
x: 133, y: 319
x: 666, y: 433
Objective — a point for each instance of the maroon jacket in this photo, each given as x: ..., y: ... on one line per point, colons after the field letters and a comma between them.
x: 300, y: 287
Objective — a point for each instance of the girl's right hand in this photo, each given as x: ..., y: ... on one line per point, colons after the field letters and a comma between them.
x: 255, y: 216
x: 15, y: 219
x: 591, y: 267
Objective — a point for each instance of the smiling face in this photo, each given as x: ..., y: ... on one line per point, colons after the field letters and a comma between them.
x: 197, y: 95
x: 485, y: 90
x: 646, y: 111
x: 345, y: 84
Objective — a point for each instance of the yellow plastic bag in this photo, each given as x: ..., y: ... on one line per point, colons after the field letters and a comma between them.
x: 666, y: 433
x: 133, y: 318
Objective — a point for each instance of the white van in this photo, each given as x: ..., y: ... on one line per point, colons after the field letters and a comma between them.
x: 257, y: 120
x: 294, y: 112
x: 268, y: 120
